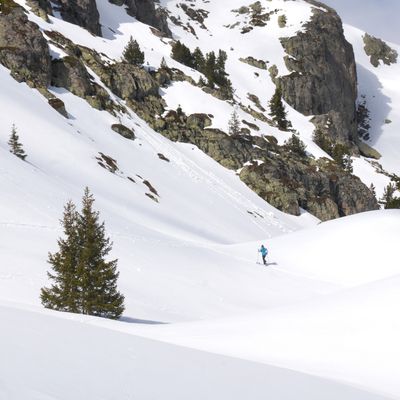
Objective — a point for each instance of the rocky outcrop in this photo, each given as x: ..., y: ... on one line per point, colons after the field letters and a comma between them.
x: 59, y: 106
x: 378, y: 51
x: 261, y: 64
x: 146, y: 12
x: 23, y: 48
x: 323, y: 80
x: 284, y: 179
x: 320, y: 187
x: 129, y: 81
x: 81, y: 12
x: 70, y: 73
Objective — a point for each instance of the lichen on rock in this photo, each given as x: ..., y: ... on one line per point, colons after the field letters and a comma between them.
x: 23, y: 49
x: 378, y: 51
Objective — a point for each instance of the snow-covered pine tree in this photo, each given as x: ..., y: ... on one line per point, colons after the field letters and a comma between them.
x: 97, y: 277
x: 63, y: 295
x: 278, y: 112
x: 234, y: 124
x: 15, y: 145
x: 132, y: 53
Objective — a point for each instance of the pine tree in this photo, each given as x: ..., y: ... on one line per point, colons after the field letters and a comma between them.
x: 182, y: 54
x: 97, y: 277
x: 363, y: 120
x: 234, y: 124
x: 209, y: 68
x: 198, y: 59
x: 63, y: 294
x: 132, y: 53
x: 278, y: 112
x: 295, y: 145
x: 15, y: 145
x: 389, y: 200
x: 84, y: 282
x: 163, y: 64
x: 341, y: 154
x: 323, y: 141
x: 219, y: 73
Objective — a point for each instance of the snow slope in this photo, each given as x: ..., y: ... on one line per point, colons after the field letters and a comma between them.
x: 153, y: 241
x: 190, y: 259
x: 351, y: 336
x: 129, y: 367
x: 382, y: 94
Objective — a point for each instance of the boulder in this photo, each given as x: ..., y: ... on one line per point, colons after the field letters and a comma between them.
x: 124, y: 131
x: 59, y: 106
x: 367, y: 151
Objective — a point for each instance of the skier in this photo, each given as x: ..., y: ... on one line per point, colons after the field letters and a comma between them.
x: 263, y: 250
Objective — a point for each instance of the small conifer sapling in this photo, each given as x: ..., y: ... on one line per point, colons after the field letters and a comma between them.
x: 234, y: 124
x: 15, y: 145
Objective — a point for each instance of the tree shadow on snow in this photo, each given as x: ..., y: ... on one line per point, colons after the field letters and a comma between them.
x: 377, y: 102
x: 141, y: 321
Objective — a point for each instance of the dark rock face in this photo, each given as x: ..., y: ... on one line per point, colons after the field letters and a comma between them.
x: 71, y: 74
x: 129, y: 81
x: 323, y: 81
x: 23, y: 48
x: 146, y: 12
x: 81, y: 12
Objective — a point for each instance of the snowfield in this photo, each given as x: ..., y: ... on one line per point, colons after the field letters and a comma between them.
x: 204, y: 319
x: 62, y: 359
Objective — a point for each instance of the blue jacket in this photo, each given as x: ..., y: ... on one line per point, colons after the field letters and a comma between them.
x: 263, y: 251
